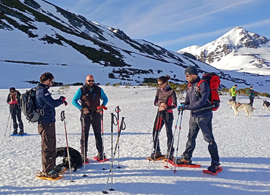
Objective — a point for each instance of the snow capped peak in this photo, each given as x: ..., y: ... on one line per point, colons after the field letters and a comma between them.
x: 237, y: 49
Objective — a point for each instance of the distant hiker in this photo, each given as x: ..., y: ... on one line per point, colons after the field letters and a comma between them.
x: 166, y: 100
x: 46, y: 124
x: 13, y: 99
x: 89, y: 97
x: 252, y: 94
x: 233, y: 92
x: 200, y: 118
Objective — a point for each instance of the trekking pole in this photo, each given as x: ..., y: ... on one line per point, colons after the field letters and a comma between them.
x: 112, y: 156
x: 172, y: 142
x: 117, y: 110
x: 83, y: 132
x: 156, y: 136
x: 122, y: 127
x: 105, y: 108
x: 180, y: 123
x: 10, y: 123
x: 7, y: 124
x: 63, y: 117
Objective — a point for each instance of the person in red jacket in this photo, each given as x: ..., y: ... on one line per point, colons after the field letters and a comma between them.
x: 166, y: 100
x: 13, y: 99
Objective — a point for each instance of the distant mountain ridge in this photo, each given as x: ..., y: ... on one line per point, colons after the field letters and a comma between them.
x: 238, y: 50
x: 37, y: 36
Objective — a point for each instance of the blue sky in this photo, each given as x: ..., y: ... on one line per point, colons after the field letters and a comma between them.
x: 175, y: 24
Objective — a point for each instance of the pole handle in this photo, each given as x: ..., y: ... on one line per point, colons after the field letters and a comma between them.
x: 63, y: 117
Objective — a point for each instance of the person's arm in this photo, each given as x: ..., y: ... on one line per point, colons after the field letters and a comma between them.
x: 8, y: 98
x: 156, y: 102
x: 76, y: 98
x: 104, y: 98
x: 202, y: 101
x: 47, y: 98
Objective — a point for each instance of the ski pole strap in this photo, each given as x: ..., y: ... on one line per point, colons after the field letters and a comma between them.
x: 123, y: 124
x: 117, y: 109
x: 63, y: 117
x: 112, y: 119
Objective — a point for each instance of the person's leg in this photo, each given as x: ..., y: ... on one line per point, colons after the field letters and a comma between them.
x: 48, y: 146
x: 192, y: 135
x: 19, y: 117
x: 205, y: 125
x: 85, y: 124
x: 168, y: 121
x: 13, y: 116
x: 96, y: 124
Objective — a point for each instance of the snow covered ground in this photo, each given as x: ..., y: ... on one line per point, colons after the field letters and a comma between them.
x: 243, y: 144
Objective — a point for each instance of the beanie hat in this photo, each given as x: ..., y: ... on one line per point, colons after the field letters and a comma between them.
x: 191, y: 70
x: 12, y: 89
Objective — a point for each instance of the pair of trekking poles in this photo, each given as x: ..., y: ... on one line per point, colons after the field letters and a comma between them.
x: 156, y: 136
x: 122, y: 127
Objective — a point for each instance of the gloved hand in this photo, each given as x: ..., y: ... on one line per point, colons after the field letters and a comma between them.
x: 64, y: 100
x: 181, y: 107
x: 14, y: 102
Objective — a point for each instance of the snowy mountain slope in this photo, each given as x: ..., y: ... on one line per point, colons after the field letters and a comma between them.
x: 37, y: 36
x: 243, y: 144
x: 238, y: 50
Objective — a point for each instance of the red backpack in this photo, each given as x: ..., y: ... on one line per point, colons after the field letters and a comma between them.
x: 213, y: 81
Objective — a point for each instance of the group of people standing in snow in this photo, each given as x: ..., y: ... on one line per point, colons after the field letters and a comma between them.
x: 87, y: 99
x: 251, y: 94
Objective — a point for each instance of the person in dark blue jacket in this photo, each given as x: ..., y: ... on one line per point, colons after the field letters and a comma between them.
x: 197, y: 100
x: 89, y: 97
x: 46, y: 125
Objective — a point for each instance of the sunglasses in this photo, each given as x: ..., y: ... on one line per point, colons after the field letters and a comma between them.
x: 160, y: 84
x: 52, y: 82
x: 91, y: 81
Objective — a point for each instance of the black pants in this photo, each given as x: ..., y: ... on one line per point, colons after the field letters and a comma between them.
x: 205, y: 124
x: 15, y: 113
x: 167, y: 119
x: 234, y: 98
x: 93, y: 119
x: 251, y: 100
x: 48, y: 145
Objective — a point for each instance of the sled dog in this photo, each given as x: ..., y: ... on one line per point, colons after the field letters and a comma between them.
x: 240, y: 106
x: 266, y: 104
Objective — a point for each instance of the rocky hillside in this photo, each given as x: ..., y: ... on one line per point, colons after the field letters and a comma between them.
x: 37, y: 36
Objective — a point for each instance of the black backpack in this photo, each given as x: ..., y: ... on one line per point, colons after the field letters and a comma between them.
x: 29, y: 107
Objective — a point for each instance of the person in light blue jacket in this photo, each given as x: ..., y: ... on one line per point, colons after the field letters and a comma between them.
x: 87, y: 99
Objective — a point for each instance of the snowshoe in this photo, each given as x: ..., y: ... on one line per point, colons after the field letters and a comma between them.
x: 213, y: 170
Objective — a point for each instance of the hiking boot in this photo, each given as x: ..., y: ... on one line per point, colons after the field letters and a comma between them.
x: 184, y: 161
x: 53, y: 174
x: 59, y: 169
x: 170, y: 157
x: 213, y: 168
x: 158, y: 154
x: 100, y: 156
x: 15, y: 132
x: 21, y: 132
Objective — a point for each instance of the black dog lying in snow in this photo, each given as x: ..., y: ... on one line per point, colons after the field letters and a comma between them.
x: 75, y: 158
x: 266, y: 104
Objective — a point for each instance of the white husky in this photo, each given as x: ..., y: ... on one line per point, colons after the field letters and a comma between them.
x: 240, y: 106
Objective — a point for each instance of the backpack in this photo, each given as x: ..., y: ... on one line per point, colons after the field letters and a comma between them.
x: 29, y: 107
x: 213, y: 81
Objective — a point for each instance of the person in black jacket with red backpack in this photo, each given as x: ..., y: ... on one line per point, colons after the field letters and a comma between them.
x: 200, y: 118
x: 166, y: 101
x: 13, y: 99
